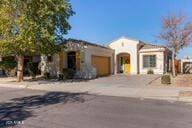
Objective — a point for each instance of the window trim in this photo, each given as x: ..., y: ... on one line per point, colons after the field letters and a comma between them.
x: 155, y: 61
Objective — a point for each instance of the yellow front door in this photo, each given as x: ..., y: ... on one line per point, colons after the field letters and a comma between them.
x: 126, y: 64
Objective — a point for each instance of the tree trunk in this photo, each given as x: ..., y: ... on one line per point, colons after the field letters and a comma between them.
x: 20, y: 61
x: 173, y: 63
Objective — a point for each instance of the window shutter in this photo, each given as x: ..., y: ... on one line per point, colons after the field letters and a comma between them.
x: 77, y: 60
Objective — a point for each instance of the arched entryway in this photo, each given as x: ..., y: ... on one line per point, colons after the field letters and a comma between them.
x: 123, y: 63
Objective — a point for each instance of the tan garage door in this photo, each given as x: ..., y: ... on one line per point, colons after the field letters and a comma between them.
x: 102, y: 65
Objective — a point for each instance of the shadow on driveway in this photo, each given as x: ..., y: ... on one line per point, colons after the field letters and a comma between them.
x: 18, y: 109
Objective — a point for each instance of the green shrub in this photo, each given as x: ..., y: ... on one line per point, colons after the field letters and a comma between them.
x: 47, y: 75
x: 166, y: 79
x: 68, y: 73
x: 32, y: 69
x: 150, y: 71
x: 8, y: 64
x: 13, y: 72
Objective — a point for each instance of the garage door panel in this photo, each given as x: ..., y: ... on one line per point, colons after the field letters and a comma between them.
x: 102, y: 65
x: 187, y: 67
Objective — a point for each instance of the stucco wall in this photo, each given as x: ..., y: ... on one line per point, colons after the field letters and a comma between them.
x: 51, y: 67
x: 125, y: 45
x: 159, y: 69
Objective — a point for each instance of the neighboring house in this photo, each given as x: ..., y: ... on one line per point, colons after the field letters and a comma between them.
x: 186, y: 65
x: 27, y: 59
x: 123, y: 55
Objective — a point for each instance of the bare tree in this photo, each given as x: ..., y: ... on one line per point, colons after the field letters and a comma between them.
x: 176, y: 31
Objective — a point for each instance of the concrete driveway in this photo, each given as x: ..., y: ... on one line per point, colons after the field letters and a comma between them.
x: 122, y: 80
x: 115, y: 85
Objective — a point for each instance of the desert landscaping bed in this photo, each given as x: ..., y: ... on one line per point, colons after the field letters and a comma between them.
x: 185, y: 93
x: 182, y: 80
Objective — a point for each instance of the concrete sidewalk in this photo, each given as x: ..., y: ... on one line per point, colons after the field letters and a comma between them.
x: 169, y: 93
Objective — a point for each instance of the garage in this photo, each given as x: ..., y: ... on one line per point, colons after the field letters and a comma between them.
x: 102, y: 65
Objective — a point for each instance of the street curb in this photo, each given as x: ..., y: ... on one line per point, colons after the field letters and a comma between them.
x: 185, y: 99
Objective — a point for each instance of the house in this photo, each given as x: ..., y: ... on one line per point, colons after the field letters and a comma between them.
x: 87, y: 59
x: 122, y: 55
x: 136, y: 57
x: 27, y: 59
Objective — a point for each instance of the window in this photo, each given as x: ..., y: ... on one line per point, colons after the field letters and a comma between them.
x: 49, y: 58
x: 149, y: 61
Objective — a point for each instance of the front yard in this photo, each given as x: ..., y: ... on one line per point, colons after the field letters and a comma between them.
x: 182, y: 80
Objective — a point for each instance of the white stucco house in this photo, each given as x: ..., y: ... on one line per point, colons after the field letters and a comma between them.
x: 136, y: 57
x: 122, y: 55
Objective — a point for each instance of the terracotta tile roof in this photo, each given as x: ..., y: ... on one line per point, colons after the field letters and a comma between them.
x: 87, y: 43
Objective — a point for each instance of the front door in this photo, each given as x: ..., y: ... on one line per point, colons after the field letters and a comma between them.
x: 71, y: 57
x: 126, y: 64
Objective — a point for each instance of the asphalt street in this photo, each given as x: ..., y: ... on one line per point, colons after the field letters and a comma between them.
x: 24, y: 108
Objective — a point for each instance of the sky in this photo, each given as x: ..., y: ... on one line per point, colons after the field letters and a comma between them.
x: 101, y: 21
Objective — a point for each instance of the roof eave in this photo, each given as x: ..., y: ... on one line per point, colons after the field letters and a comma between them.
x: 152, y: 50
x: 123, y: 37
